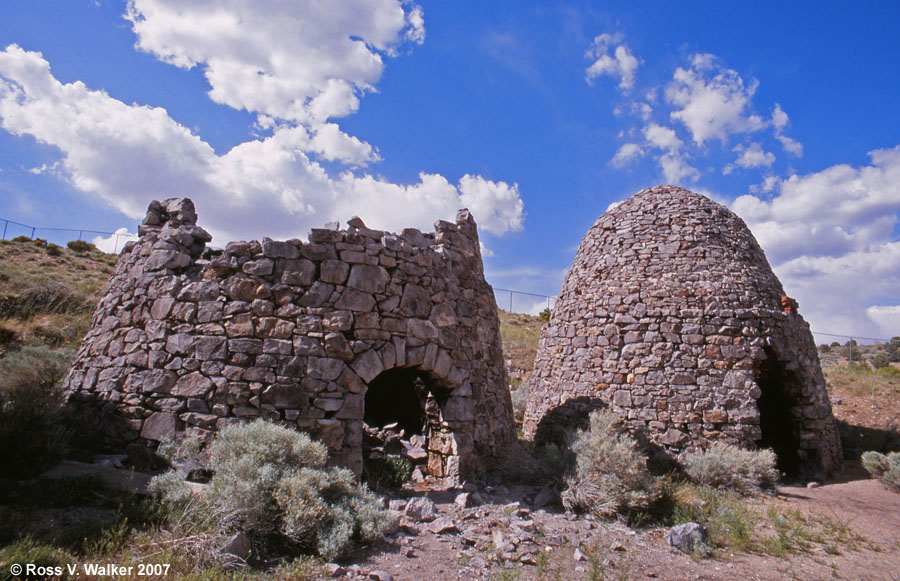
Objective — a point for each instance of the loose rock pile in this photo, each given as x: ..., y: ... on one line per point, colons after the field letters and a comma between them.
x: 393, y: 441
x: 672, y: 317
x: 186, y: 340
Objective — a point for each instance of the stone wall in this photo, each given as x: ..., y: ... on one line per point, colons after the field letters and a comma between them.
x: 186, y: 340
x: 672, y: 317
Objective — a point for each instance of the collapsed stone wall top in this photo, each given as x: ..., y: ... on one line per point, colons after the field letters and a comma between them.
x: 187, y: 339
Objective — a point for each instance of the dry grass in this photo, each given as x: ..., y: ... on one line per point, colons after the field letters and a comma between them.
x: 865, y: 405
x: 71, y: 282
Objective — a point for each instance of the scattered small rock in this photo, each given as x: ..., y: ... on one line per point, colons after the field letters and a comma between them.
x: 464, y: 500
x: 442, y: 526
x: 238, y: 545
x: 579, y: 556
x: 813, y: 484
x: 420, y: 509
x: 380, y: 575
x: 335, y: 570
x: 543, y: 497
x: 688, y: 537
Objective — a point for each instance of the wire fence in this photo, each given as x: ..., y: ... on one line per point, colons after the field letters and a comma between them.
x: 524, y: 302
x: 13, y: 229
x: 516, y: 302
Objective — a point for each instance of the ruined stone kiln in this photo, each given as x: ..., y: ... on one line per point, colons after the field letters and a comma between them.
x: 672, y: 318
x: 353, y: 326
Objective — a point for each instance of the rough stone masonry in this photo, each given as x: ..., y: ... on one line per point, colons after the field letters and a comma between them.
x: 186, y: 340
x: 672, y: 318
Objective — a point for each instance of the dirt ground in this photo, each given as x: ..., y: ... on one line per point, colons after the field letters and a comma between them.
x: 500, y: 540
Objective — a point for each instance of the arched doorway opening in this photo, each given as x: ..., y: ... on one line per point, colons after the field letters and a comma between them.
x: 403, y: 417
x: 777, y: 404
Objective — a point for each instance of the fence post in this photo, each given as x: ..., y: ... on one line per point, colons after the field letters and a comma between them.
x: 32, y: 233
x: 5, y: 224
x: 851, y: 351
x: 510, y: 301
x: 116, y: 247
x: 80, y: 232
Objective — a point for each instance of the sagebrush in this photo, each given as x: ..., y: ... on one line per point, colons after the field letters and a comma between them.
x: 884, y: 467
x: 726, y: 466
x: 272, y: 483
x: 611, y: 474
x: 34, y: 430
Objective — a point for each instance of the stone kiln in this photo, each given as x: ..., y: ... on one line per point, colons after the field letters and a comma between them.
x: 672, y: 317
x: 186, y: 340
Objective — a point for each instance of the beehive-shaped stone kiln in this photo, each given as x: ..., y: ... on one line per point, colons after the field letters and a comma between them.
x: 672, y: 318
x: 352, y: 327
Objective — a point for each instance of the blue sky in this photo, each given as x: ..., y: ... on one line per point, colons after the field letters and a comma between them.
x: 276, y: 117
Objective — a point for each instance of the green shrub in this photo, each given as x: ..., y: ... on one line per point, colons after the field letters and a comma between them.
x: 880, y: 360
x: 610, y: 470
x: 528, y: 462
x: 54, y: 249
x: 388, y: 472
x: 81, y: 246
x: 519, y: 397
x: 21, y: 239
x: 883, y: 467
x: 39, y: 242
x: 34, y: 432
x: 29, y: 551
x: 889, y: 371
x: 726, y: 466
x: 271, y: 483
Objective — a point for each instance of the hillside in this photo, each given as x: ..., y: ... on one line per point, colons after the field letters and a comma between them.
x: 48, y: 293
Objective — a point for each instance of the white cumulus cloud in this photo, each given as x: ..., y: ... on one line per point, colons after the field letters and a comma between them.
x: 627, y: 154
x: 830, y: 236
x: 712, y: 101
x: 619, y: 63
x: 780, y: 120
x: 113, y: 244
x: 887, y: 319
x: 751, y: 156
x: 297, y: 65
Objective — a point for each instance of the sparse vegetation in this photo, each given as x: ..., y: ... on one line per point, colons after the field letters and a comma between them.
x: 884, y: 467
x: 81, y: 246
x: 47, y: 294
x: 390, y: 471
x: 532, y: 463
x: 50, y: 298
x: 33, y: 430
x: 611, y: 473
x: 520, y: 334
x: 271, y: 483
x: 726, y: 466
x: 738, y: 526
x: 28, y: 550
